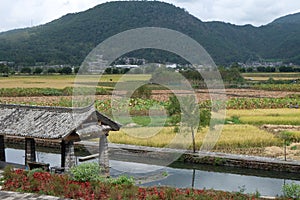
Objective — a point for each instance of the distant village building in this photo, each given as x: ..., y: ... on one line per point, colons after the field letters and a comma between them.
x: 127, y: 66
x: 63, y: 125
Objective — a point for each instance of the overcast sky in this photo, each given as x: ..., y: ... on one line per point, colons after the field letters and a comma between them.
x: 25, y: 13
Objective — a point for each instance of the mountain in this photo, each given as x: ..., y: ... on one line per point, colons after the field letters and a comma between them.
x: 288, y: 19
x: 69, y: 39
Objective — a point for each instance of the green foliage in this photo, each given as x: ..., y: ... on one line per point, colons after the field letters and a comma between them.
x: 27, y: 92
x: 143, y: 92
x: 86, y: 172
x: 165, y: 173
x: 258, y: 103
x: 4, y: 69
x: 173, y: 107
x: 291, y: 190
x: 26, y: 70
x: 31, y: 172
x: 61, y: 186
x: 51, y: 71
x: 175, y: 111
x: 278, y: 87
x: 66, y: 70
x: 231, y: 75
x: 69, y: 39
x: 205, y: 116
x: 121, y: 180
x: 287, y: 137
x: 234, y: 119
x: 37, y: 70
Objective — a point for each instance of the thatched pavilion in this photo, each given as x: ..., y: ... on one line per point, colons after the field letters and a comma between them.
x: 64, y: 125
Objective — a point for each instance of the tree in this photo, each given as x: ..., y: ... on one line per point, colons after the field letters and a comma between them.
x: 26, y: 70
x: 186, y: 111
x: 51, y: 71
x: 287, y: 139
x: 76, y: 70
x: 4, y: 69
x: 231, y: 75
x: 38, y: 70
x: 261, y: 69
x: 66, y: 70
x: 250, y: 69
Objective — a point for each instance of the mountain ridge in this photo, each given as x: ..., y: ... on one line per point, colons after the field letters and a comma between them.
x: 69, y: 39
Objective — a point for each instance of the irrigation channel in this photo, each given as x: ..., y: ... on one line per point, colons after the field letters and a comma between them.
x: 183, y: 175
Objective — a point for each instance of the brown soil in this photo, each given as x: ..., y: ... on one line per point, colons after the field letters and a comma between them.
x: 278, y: 128
x: 161, y: 95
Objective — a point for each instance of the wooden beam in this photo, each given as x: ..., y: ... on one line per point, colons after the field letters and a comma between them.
x: 90, y: 157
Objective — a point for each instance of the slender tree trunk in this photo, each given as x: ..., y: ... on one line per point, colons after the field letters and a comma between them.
x: 193, y: 137
x: 193, y: 178
x: 284, y: 151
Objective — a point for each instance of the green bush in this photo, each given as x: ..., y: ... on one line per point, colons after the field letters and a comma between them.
x: 122, y: 180
x: 31, y: 172
x: 291, y: 190
x: 86, y: 172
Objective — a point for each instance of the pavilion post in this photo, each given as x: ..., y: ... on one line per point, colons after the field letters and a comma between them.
x: 29, y: 150
x: 2, y: 148
x: 103, y: 153
x: 68, y: 159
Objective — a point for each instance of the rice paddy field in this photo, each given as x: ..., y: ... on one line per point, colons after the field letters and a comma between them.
x: 285, y: 116
x: 248, y: 110
x: 62, y: 81
x: 233, y: 136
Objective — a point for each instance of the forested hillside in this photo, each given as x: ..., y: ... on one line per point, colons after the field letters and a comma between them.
x: 69, y: 39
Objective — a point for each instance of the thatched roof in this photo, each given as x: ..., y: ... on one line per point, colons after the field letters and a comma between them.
x: 47, y: 122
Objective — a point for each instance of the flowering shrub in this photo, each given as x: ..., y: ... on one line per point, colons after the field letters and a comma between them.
x: 62, y: 186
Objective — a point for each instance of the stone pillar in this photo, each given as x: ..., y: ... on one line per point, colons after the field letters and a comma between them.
x: 29, y: 150
x: 2, y: 148
x: 103, y: 153
x: 68, y: 159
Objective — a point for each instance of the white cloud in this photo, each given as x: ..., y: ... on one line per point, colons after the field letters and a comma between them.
x: 24, y: 13
x: 256, y: 12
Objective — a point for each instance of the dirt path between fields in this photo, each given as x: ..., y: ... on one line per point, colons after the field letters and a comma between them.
x: 160, y: 95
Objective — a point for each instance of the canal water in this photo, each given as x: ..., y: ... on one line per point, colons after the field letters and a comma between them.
x: 185, y: 175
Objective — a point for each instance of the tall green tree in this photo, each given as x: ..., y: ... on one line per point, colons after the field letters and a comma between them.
x: 185, y: 110
x: 4, y: 69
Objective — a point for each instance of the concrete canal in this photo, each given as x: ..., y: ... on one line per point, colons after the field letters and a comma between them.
x: 267, y: 183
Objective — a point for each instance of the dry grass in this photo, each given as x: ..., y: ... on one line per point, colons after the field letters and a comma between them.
x: 137, y: 136
x: 275, y: 76
x: 245, y: 136
x: 282, y: 116
x: 232, y: 136
x: 62, y: 81
x: 36, y: 81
